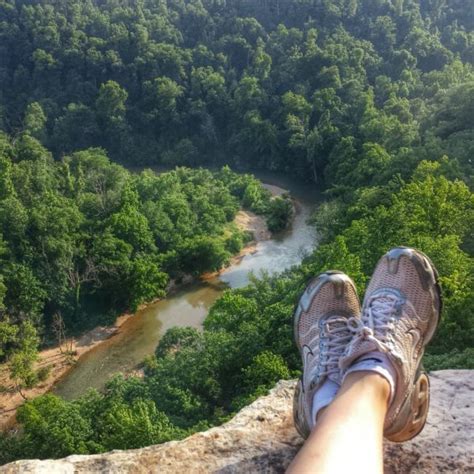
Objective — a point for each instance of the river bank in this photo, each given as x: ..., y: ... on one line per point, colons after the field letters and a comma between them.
x: 60, y: 361
x: 188, y: 305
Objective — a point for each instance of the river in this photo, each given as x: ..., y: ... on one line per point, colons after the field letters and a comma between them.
x: 188, y: 306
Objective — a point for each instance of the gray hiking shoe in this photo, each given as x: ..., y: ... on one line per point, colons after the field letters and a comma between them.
x: 321, y: 334
x: 399, y: 317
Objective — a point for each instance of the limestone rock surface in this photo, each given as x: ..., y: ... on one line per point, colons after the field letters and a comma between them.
x: 261, y: 439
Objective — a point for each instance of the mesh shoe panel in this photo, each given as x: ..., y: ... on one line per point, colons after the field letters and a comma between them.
x: 399, y: 316
x: 321, y: 334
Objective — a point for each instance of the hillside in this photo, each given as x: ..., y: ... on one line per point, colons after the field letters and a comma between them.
x: 369, y: 101
x: 300, y: 86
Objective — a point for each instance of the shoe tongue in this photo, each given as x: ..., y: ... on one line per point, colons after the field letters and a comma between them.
x: 334, y: 322
x: 383, y: 298
x: 360, y: 348
x: 382, y: 301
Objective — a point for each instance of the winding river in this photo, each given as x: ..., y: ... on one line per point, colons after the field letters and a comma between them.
x: 188, y: 306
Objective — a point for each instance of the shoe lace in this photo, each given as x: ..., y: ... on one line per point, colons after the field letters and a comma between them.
x: 333, y: 341
x: 376, y: 321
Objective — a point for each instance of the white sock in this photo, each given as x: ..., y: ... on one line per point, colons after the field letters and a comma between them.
x: 376, y: 362
x: 323, y: 396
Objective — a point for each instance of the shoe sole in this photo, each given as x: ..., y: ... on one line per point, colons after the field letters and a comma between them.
x: 313, y: 286
x: 300, y: 424
x: 418, y: 404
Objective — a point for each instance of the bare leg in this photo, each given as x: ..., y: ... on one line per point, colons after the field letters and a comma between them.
x: 348, y: 436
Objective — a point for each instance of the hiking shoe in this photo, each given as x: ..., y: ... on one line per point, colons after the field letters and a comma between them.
x: 321, y: 334
x: 400, y: 314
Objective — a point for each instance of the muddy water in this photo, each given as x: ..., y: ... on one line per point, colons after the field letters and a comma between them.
x: 139, y: 336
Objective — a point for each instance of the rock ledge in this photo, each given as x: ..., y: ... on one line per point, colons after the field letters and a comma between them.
x: 261, y: 438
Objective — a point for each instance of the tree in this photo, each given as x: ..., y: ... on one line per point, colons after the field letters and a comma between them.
x: 146, y: 282
x: 111, y: 109
x: 35, y: 120
x: 21, y: 362
x: 128, y: 426
x: 202, y: 254
x: 264, y: 371
x: 279, y: 213
x: 76, y: 129
x: 8, y: 333
x: 55, y: 428
x: 248, y: 94
x: 6, y: 184
x: 110, y: 104
x: 162, y: 96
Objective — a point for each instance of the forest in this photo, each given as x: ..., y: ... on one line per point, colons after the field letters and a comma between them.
x: 84, y: 240
x: 273, y: 84
x: 370, y: 100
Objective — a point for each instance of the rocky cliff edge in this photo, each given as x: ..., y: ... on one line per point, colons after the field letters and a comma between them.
x: 261, y: 438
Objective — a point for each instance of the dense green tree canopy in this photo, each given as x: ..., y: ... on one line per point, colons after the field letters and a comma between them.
x: 371, y: 99
x: 251, y: 83
x: 85, y: 239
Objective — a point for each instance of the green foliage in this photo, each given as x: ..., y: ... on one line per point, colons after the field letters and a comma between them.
x: 253, y: 85
x: 373, y: 101
x: 255, y: 197
x: 134, y: 425
x: 235, y: 242
x: 43, y: 373
x: 337, y: 256
x: 451, y: 360
x: 266, y: 369
x: 35, y: 120
x: 53, y: 427
x: 8, y: 333
x: 86, y: 239
x: 200, y: 254
x: 124, y: 417
x: 22, y: 359
x: 279, y: 213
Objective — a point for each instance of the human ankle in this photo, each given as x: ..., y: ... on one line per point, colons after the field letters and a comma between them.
x: 376, y: 363
x: 370, y: 382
